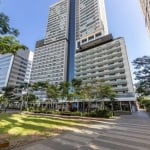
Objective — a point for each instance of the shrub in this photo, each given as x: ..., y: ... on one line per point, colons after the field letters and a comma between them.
x: 104, y: 113
x: 67, y: 113
x: 100, y: 114
x: 77, y: 113
x: 147, y: 105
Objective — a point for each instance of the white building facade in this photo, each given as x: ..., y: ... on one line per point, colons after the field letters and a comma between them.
x: 145, y: 5
x: 29, y: 67
x: 108, y: 62
x: 51, y: 54
x: 90, y: 20
x: 99, y: 56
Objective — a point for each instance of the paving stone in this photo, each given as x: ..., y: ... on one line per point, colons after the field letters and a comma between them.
x: 131, y: 132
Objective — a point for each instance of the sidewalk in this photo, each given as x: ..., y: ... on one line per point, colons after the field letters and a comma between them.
x: 130, y: 132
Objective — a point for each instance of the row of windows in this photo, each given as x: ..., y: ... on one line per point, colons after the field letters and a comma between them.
x: 100, y: 67
x: 106, y: 50
x: 99, y: 57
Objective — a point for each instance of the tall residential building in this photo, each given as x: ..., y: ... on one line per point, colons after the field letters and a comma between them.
x: 105, y: 59
x: 14, y: 70
x: 91, y: 20
x: 98, y: 55
x: 51, y: 56
x: 145, y: 5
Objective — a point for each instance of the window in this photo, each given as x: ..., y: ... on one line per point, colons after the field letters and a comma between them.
x: 91, y: 38
x: 78, y: 45
x: 84, y: 40
x: 98, y: 34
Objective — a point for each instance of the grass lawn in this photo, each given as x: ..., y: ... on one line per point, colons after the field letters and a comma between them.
x: 20, y: 128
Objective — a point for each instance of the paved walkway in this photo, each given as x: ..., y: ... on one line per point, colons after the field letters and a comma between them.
x: 127, y: 133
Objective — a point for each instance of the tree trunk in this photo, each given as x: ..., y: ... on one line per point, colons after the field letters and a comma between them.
x: 77, y: 106
x: 83, y: 106
x: 120, y: 106
x: 96, y: 105
x: 112, y: 108
x: 103, y: 105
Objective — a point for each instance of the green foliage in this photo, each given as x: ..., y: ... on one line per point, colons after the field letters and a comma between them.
x: 101, y: 114
x: 9, y: 44
x: 8, y: 41
x: 146, y: 103
x: 105, y: 91
x: 142, y: 74
x: 86, y: 91
x: 16, y: 125
x: 97, y: 113
x: 64, y: 90
x: 8, y: 92
x: 5, y: 27
x: 31, y: 98
x: 76, y: 86
x: 52, y: 92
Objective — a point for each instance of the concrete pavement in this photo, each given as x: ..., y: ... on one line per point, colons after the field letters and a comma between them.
x: 127, y: 133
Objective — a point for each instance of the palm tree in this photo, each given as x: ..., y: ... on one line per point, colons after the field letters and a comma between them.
x: 86, y: 94
x: 3, y: 102
x: 31, y: 99
x: 112, y: 97
x: 64, y: 91
x: 52, y: 93
x: 9, y: 44
x: 105, y: 91
x: 76, y: 87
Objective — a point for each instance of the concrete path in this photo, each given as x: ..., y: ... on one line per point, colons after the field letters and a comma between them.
x: 127, y: 133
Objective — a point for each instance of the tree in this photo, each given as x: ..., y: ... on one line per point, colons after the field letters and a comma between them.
x: 3, y: 102
x: 64, y: 90
x: 105, y: 91
x: 5, y: 27
x: 112, y: 96
x: 9, y: 92
x: 76, y: 85
x: 9, y: 44
x: 8, y: 41
x: 39, y: 86
x: 86, y: 94
x: 52, y: 93
x: 76, y: 89
x: 31, y: 99
x: 142, y: 74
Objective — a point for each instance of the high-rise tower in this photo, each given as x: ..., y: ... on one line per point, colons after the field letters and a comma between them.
x: 51, y: 54
x: 98, y: 55
x: 90, y: 20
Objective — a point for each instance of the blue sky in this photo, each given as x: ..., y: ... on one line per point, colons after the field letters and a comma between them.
x: 125, y: 19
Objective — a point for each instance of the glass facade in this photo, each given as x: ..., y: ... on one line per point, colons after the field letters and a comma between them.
x: 5, y: 67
